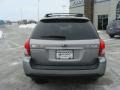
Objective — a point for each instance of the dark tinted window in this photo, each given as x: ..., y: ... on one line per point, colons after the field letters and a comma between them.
x: 64, y: 30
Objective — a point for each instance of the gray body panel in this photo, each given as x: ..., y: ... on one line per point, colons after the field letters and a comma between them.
x: 43, y: 52
x: 64, y: 46
x: 99, y: 71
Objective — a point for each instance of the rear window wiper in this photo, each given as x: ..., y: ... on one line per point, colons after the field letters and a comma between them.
x: 57, y: 37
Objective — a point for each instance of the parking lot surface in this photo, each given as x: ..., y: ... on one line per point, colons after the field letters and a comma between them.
x: 12, y: 76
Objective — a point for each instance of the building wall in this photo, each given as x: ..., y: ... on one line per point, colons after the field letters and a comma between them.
x: 101, y: 7
x: 108, y: 8
x: 77, y: 6
x: 113, y: 9
x: 77, y: 10
x: 89, y: 8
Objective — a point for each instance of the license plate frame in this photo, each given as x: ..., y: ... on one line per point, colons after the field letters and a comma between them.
x: 64, y: 54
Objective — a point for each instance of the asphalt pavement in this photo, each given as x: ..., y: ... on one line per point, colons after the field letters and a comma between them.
x: 12, y: 76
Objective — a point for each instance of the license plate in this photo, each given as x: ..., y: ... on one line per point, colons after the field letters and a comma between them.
x: 64, y: 54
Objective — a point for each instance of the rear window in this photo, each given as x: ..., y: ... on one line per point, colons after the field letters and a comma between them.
x: 64, y: 30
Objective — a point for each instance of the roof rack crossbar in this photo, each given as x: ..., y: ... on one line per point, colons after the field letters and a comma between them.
x: 64, y: 14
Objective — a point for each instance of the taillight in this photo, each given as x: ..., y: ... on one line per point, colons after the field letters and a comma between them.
x: 27, y: 47
x: 102, y: 48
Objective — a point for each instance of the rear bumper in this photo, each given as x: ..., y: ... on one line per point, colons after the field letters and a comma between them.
x: 114, y: 32
x: 99, y: 71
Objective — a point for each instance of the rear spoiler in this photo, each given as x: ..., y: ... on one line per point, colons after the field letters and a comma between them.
x: 74, y: 20
x: 64, y: 14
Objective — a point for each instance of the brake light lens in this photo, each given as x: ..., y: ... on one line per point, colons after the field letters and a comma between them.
x: 27, y: 47
x: 102, y: 48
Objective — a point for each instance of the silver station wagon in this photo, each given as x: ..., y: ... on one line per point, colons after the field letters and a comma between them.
x: 64, y: 45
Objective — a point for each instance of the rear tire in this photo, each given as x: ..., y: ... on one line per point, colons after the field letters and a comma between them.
x: 39, y: 80
x: 111, y: 36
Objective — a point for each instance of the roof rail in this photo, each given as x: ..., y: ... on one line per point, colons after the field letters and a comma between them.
x: 64, y: 14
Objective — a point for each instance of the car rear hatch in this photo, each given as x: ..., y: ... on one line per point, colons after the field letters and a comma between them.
x: 80, y: 52
x: 64, y: 43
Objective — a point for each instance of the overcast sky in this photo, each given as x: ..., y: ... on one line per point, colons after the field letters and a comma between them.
x: 14, y: 9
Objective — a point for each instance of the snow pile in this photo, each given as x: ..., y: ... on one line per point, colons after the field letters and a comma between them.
x: 29, y: 26
x: 1, y: 34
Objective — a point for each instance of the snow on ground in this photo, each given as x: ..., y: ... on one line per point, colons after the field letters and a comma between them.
x: 1, y: 34
x: 31, y: 26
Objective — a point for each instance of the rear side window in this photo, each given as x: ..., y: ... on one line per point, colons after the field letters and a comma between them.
x: 64, y: 30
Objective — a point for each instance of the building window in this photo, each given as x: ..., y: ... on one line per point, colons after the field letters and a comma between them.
x: 118, y: 11
x: 102, y: 22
